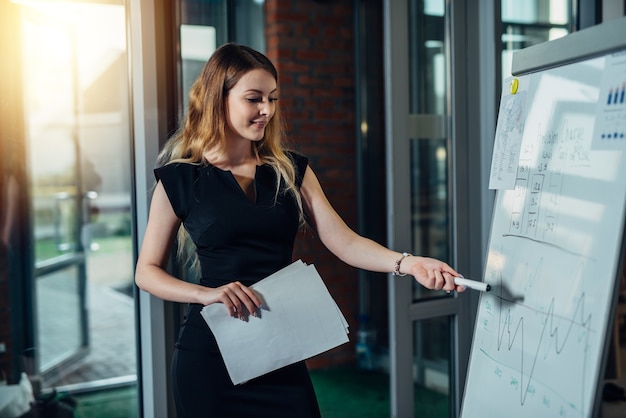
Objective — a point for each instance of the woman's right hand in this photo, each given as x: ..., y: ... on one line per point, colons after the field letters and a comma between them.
x: 240, y: 300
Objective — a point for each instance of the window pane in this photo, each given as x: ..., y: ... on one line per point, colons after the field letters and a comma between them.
x: 58, y: 319
x: 432, y: 354
x: 427, y: 130
x: 536, y: 11
x: 529, y: 23
x: 77, y: 123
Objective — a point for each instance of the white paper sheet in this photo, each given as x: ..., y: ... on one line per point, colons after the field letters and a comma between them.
x: 300, y: 320
x: 510, y: 129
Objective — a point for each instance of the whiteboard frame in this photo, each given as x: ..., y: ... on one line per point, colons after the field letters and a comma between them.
x: 595, y: 41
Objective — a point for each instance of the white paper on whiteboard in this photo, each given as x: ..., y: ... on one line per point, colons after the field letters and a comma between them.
x: 508, y: 138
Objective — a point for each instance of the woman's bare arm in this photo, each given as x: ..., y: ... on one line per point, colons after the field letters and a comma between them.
x: 365, y: 253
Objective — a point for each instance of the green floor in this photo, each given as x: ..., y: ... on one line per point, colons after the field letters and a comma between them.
x: 115, y: 403
x: 350, y: 393
x: 342, y: 393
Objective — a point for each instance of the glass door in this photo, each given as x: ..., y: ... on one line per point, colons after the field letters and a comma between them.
x: 59, y: 211
x: 433, y: 330
x: 78, y: 164
x: 423, y: 323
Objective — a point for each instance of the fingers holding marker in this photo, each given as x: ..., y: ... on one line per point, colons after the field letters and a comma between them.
x: 448, y: 284
x: 437, y: 275
x: 440, y: 281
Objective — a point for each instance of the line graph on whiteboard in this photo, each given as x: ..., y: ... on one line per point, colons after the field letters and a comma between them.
x: 532, y: 347
x: 539, y: 333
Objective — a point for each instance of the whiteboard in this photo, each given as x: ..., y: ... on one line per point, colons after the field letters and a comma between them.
x: 555, y: 246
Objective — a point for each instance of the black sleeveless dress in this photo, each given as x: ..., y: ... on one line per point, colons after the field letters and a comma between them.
x: 236, y: 239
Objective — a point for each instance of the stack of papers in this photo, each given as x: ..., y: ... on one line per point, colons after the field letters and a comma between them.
x: 299, y: 320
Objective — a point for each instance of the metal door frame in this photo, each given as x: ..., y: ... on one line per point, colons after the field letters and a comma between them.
x: 470, y: 28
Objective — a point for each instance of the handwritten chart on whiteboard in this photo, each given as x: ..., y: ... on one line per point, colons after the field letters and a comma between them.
x: 555, y: 243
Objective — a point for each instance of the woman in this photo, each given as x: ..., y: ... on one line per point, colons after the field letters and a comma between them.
x: 241, y: 198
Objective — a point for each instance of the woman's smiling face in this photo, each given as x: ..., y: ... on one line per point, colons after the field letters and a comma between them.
x: 250, y: 105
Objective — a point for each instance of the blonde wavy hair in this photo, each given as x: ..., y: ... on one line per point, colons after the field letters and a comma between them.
x: 203, y: 127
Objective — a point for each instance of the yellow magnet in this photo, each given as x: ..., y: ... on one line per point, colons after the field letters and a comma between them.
x: 514, y: 85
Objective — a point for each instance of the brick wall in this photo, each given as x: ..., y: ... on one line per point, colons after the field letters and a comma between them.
x: 312, y: 45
